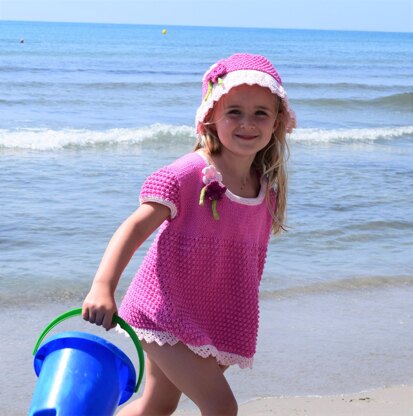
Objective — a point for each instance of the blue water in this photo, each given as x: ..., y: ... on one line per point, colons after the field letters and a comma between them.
x: 88, y: 111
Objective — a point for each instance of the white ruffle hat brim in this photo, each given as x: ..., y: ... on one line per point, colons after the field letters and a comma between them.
x: 243, y: 77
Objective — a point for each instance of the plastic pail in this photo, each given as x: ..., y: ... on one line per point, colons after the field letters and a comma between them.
x: 81, y: 374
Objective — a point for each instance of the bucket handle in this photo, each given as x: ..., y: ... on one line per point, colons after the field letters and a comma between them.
x: 116, y: 319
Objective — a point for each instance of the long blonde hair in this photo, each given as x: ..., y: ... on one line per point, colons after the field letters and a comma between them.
x: 270, y: 161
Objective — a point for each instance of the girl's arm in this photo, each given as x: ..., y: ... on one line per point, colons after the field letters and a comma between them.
x: 99, y: 304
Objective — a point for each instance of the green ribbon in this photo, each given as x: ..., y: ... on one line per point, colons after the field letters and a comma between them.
x: 214, y: 210
x: 214, y: 203
x: 202, y: 196
x: 210, y: 86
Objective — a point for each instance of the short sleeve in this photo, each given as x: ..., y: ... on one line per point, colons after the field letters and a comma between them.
x: 162, y: 187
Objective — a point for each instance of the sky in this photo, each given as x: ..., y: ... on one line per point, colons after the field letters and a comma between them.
x: 365, y: 15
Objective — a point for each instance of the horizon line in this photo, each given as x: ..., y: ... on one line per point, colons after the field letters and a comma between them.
x: 204, y: 26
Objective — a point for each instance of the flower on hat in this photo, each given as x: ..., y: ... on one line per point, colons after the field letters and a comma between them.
x: 216, y: 72
x: 214, y: 189
x: 214, y: 77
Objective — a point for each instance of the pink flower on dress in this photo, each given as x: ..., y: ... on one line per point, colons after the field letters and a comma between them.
x: 214, y: 189
x: 211, y: 174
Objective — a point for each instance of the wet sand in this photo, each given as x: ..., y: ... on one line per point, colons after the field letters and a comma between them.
x: 393, y: 401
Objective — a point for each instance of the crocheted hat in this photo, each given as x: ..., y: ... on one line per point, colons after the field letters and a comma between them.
x: 239, y: 69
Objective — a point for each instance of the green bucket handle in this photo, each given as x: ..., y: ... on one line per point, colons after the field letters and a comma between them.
x: 116, y: 319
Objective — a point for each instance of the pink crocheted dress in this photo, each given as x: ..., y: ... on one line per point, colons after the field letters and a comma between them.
x: 199, y: 281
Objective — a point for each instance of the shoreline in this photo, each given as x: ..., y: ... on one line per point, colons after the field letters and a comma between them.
x: 387, y: 401
x: 295, y: 362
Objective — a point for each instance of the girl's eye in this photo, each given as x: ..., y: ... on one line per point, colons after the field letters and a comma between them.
x: 234, y: 112
x: 261, y: 113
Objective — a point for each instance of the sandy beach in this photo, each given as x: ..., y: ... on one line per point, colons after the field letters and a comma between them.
x: 395, y: 401
x: 392, y: 401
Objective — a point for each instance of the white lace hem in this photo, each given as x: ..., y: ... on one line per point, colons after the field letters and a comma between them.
x: 161, y: 201
x: 162, y: 338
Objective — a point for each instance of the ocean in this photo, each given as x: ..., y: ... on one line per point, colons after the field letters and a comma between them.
x: 87, y: 111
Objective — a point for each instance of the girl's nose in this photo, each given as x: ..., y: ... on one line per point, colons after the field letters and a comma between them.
x: 247, y: 123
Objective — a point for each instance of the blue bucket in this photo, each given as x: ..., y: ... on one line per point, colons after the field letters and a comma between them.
x: 81, y: 374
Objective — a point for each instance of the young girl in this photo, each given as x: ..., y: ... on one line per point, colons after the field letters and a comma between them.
x: 194, y: 300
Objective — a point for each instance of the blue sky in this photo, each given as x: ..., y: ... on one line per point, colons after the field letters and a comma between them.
x: 372, y: 15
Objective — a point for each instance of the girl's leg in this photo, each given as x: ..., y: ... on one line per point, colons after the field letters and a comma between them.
x: 160, y: 396
x: 201, y: 379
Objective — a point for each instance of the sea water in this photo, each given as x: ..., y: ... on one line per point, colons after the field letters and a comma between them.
x: 87, y: 111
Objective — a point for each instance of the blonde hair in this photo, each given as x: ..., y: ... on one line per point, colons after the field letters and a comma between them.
x: 270, y: 161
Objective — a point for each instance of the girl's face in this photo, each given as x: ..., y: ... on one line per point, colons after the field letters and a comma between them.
x: 245, y: 119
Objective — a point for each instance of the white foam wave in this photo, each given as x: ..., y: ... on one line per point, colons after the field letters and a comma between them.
x: 350, y: 135
x: 47, y: 139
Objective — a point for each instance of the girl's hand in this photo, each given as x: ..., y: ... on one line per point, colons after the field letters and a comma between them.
x: 99, y: 306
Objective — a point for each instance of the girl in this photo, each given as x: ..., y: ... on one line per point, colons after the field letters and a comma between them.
x: 194, y: 300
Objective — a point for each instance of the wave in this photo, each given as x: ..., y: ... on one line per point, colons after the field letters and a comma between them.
x: 346, y: 86
x: 313, y: 136
x: 15, y: 291
x: 99, y: 85
x: 404, y: 99
x: 340, y: 286
x: 47, y: 139
x: 95, y: 70
x: 48, y: 291
x: 334, y: 86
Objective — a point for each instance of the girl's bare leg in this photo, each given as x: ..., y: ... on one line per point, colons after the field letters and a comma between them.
x: 177, y: 369
x: 160, y: 396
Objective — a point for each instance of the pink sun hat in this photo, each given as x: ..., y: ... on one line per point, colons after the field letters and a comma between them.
x: 239, y: 69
